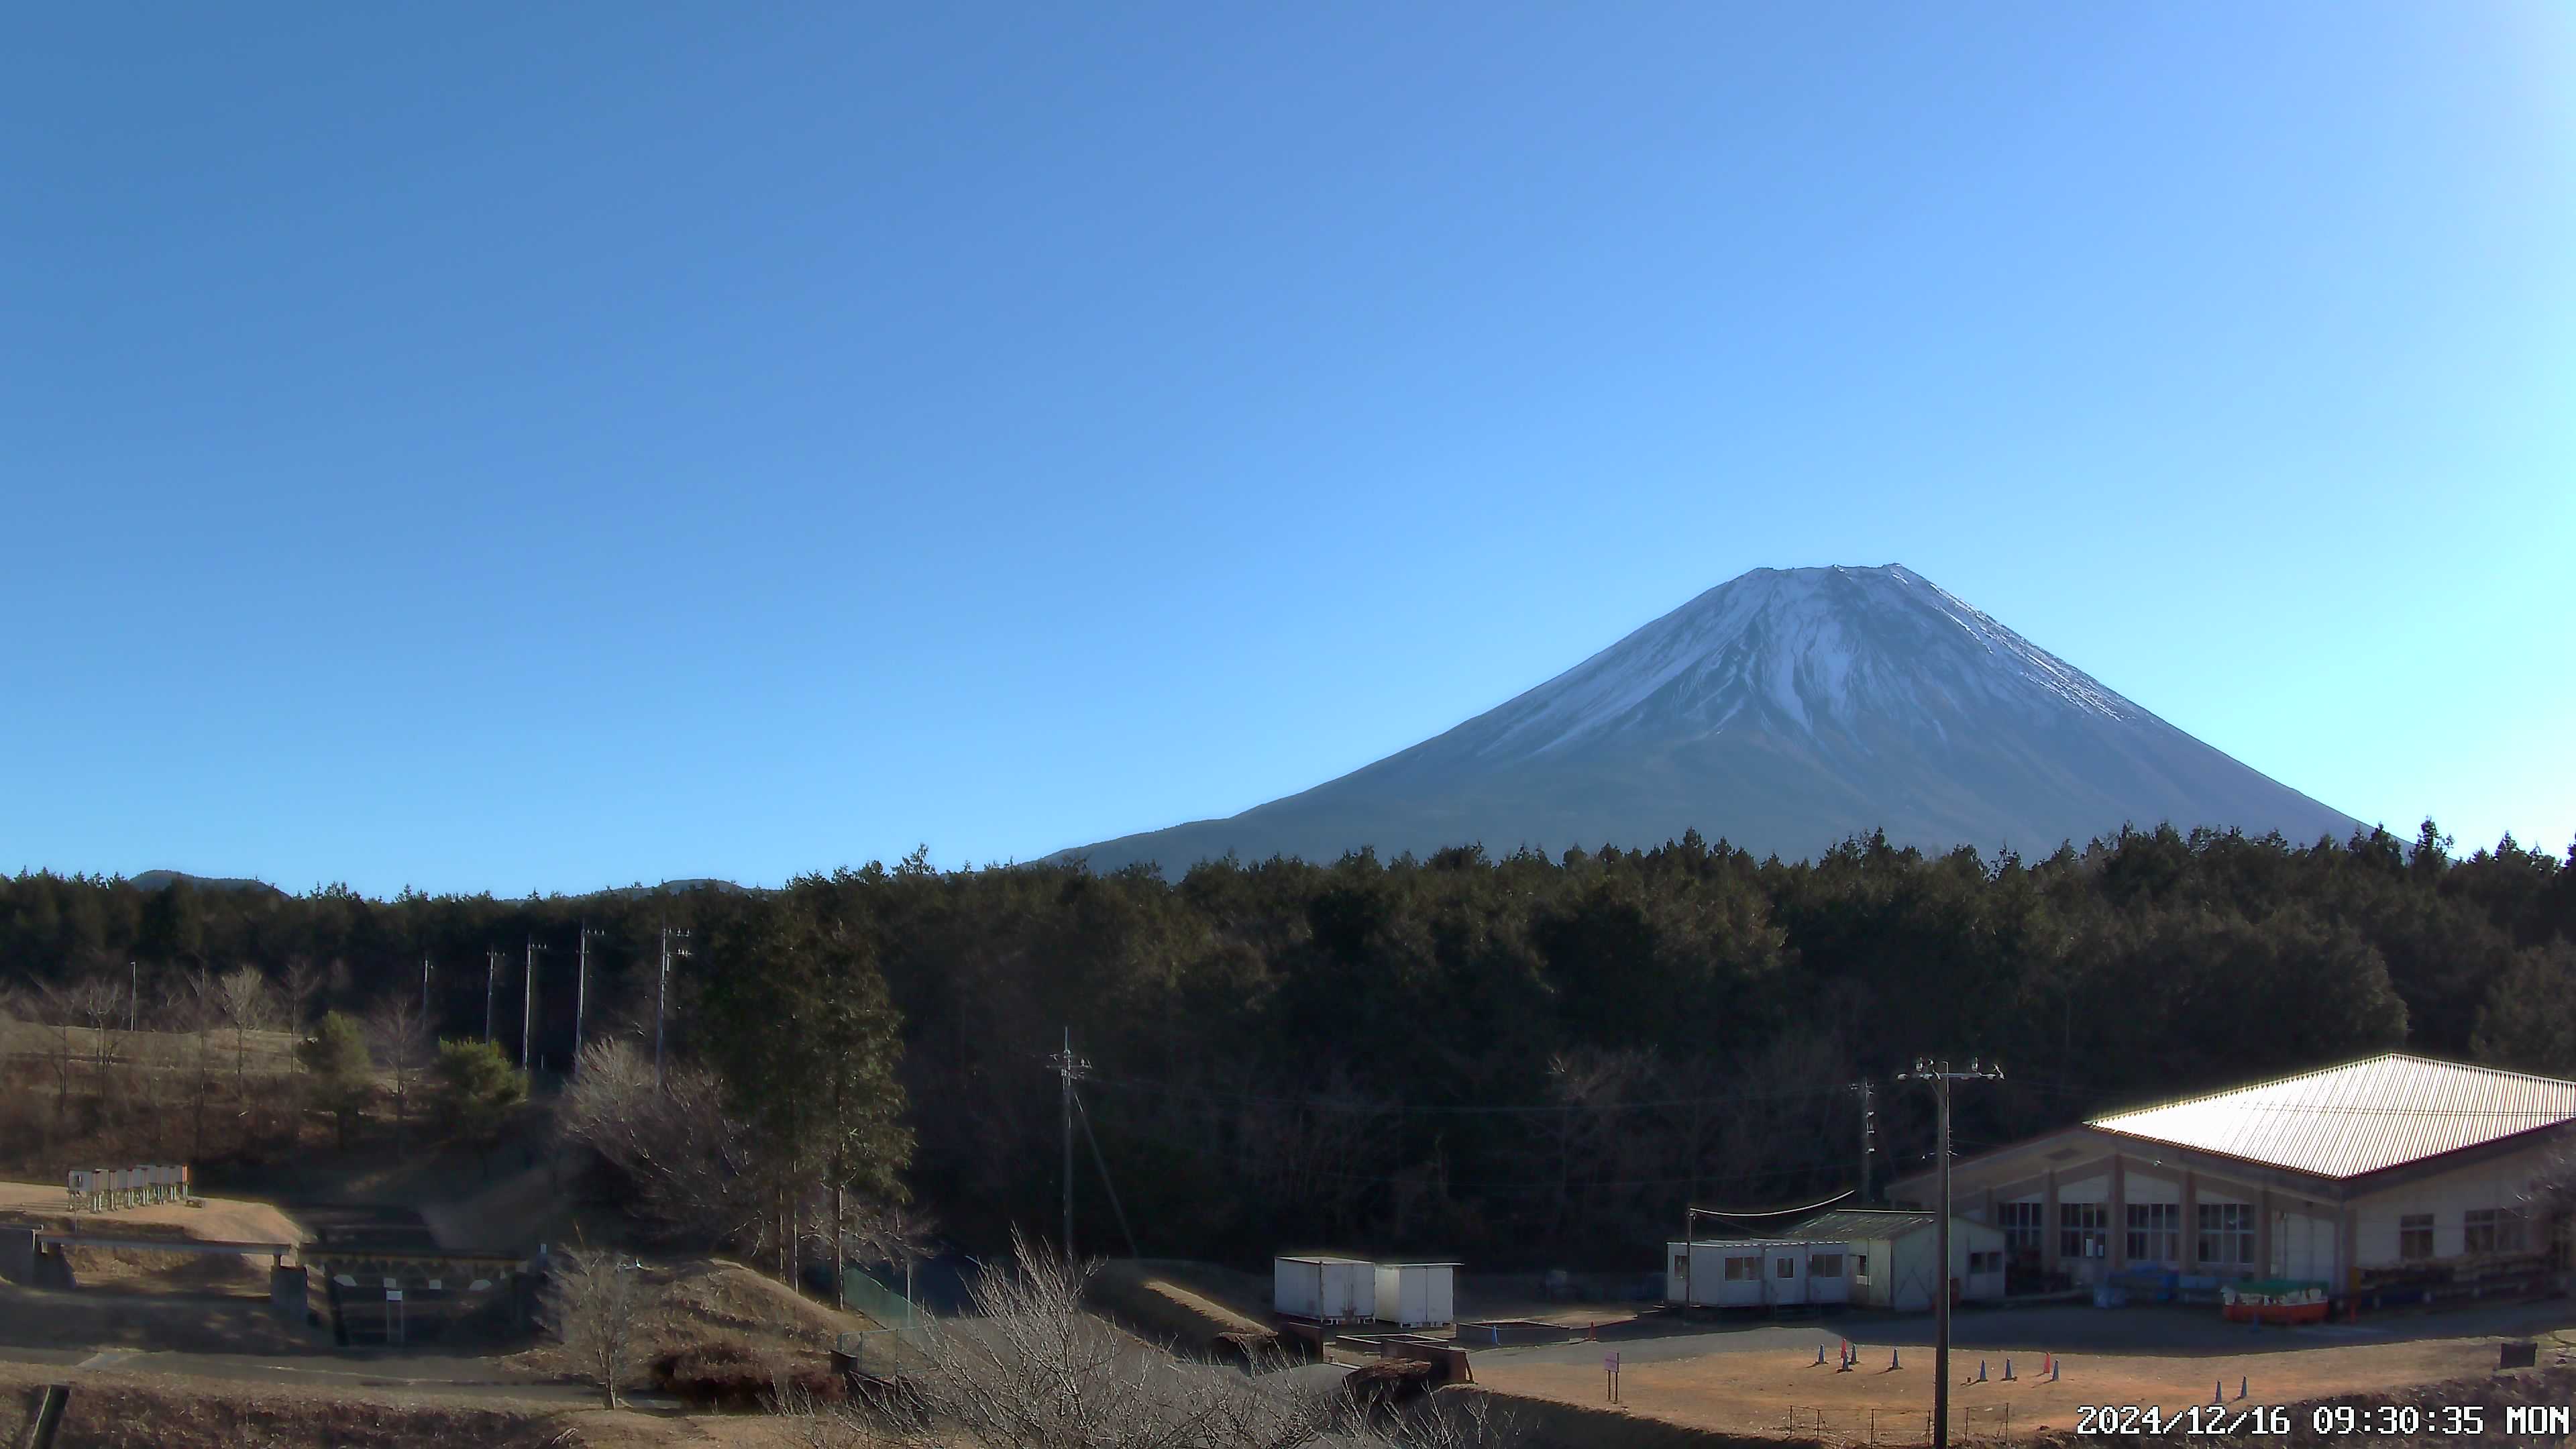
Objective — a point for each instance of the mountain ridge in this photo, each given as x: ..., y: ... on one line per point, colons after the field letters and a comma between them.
x: 1783, y: 710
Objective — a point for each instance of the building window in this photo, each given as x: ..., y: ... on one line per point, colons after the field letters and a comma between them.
x: 1860, y: 1266
x: 1788, y: 1267
x: 2415, y: 1237
x: 2226, y: 1235
x: 1681, y: 1265
x: 2083, y: 1229
x: 2023, y: 1223
x: 2155, y: 1232
x: 1825, y: 1265
x: 2493, y: 1230
x: 1985, y: 1263
x: 1739, y: 1269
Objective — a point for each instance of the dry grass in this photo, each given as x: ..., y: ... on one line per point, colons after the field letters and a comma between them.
x: 1760, y: 1392
x: 1174, y: 1302
x: 131, y: 1271
x: 263, y: 1053
x: 716, y: 1303
x: 526, y: 1207
x: 220, y: 1219
x: 124, y: 1410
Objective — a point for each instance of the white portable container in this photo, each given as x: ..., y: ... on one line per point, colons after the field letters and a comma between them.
x: 1417, y: 1295
x: 1750, y: 1272
x: 1324, y: 1288
x: 1829, y: 1273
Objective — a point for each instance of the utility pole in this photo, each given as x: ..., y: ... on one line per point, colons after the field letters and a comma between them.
x: 662, y: 996
x: 133, y: 994
x: 424, y: 994
x: 528, y: 1002
x: 581, y: 992
x: 1868, y: 1134
x: 491, y: 979
x: 1071, y: 1068
x: 1940, y: 1076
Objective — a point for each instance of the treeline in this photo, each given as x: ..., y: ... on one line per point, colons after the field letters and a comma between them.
x: 1521, y: 1060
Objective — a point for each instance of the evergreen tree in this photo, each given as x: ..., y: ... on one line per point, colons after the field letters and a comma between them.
x: 343, y: 1077
x: 476, y: 1091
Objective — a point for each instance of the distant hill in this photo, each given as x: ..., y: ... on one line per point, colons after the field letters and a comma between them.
x: 1783, y: 711
x: 676, y: 887
x: 153, y: 880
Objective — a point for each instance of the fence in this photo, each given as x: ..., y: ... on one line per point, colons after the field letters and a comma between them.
x: 866, y: 1295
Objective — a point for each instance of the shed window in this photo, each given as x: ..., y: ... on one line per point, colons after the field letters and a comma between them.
x: 2415, y: 1237
x: 1788, y: 1267
x: 1681, y: 1265
x: 1860, y: 1266
x: 1825, y: 1265
x: 1985, y: 1263
x: 1740, y: 1269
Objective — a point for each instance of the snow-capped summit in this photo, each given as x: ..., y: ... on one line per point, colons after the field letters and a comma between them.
x: 1800, y: 651
x: 1783, y: 710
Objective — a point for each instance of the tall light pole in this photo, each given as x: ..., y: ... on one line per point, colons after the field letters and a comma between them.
x: 528, y: 1003
x: 491, y: 979
x: 581, y: 992
x: 1071, y: 1068
x: 1940, y: 1076
x: 662, y: 995
x: 424, y: 991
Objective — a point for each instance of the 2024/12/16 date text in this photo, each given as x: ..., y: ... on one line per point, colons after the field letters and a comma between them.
x: 2396, y: 1420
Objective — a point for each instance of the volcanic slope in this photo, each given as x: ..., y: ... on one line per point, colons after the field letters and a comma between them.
x: 1783, y: 711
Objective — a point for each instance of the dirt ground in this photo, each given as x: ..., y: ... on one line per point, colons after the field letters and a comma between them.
x: 231, y: 1219
x: 120, y: 1270
x: 1766, y: 1391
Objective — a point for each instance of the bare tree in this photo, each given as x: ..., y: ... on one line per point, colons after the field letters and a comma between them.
x: 302, y: 982
x: 98, y: 1000
x: 596, y: 1300
x: 193, y: 1005
x: 400, y: 1036
x: 686, y: 1162
x: 248, y: 1005
x: 1032, y: 1370
x: 57, y: 1008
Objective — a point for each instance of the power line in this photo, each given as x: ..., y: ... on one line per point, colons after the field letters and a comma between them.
x: 1435, y: 1109
x: 1097, y: 1160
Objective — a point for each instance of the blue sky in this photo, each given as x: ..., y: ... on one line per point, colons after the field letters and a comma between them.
x: 546, y: 447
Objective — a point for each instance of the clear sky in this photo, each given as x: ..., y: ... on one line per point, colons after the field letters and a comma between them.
x: 543, y: 447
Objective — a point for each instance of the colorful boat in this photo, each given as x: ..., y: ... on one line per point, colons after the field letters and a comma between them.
x: 2275, y: 1300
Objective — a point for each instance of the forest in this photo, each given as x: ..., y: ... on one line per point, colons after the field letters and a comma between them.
x: 1521, y: 1061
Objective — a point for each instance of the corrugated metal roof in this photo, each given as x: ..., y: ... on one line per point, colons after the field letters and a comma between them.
x: 2361, y: 1117
x: 1852, y: 1223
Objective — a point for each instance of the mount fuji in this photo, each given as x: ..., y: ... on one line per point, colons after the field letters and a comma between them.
x: 1783, y: 711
